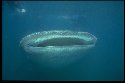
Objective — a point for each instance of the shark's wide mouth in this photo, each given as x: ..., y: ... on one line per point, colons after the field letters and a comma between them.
x: 62, y: 41
x: 58, y: 38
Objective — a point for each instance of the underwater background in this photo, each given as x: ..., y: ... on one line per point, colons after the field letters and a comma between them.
x: 103, y: 19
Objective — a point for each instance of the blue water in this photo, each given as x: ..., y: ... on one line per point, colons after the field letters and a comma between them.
x: 104, y: 19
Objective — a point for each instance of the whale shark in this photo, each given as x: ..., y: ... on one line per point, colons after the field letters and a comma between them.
x: 57, y: 48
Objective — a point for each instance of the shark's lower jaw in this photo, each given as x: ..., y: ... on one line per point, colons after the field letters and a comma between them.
x: 57, y: 48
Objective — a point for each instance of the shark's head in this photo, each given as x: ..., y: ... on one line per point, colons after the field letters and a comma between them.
x: 57, y: 47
